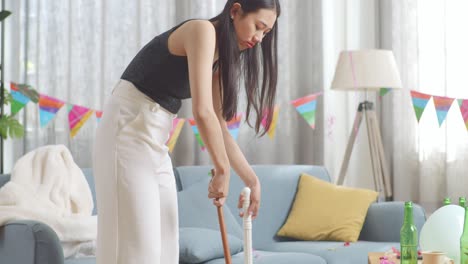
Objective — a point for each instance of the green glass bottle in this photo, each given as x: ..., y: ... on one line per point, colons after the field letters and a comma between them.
x: 447, y: 201
x: 464, y: 241
x: 462, y: 202
x: 408, y: 237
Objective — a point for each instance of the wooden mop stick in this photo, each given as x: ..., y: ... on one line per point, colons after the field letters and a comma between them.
x: 222, y: 228
x: 247, y: 224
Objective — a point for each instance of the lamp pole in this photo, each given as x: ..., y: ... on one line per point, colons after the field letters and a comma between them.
x: 2, y: 88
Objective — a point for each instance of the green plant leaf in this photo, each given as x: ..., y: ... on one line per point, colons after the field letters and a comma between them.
x: 16, y: 129
x: 10, y: 127
x: 8, y: 98
x: 30, y: 92
x: 4, y: 14
x: 3, y: 126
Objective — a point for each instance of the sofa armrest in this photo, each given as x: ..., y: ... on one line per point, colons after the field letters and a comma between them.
x: 384, y: 220
x: 29, y: 242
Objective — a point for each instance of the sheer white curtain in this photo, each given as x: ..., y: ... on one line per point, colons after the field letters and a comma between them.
x: 77, y: 50
x: 347, y: 25
x: 428, y: 39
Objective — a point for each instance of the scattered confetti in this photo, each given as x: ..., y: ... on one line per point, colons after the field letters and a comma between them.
x: 330, y: 125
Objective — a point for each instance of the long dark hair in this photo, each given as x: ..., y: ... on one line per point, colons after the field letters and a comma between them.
x: 232, y: 62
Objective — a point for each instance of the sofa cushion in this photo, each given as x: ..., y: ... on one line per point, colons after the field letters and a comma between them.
x: 198, y: 245
x: 188, y: 175
x: 279, y: 185
x: 265, y: 257
x: 196, y: 210
x: 390, y: 215
x: 324, y: 211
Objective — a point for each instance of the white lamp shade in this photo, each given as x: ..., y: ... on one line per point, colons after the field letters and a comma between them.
x: 366, y: 69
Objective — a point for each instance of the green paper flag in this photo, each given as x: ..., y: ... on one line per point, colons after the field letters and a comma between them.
x: 384, y: 91
x: 419, y: 103
x: 19, y: 99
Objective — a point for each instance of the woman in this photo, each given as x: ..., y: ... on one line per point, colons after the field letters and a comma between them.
x: 136, y: 192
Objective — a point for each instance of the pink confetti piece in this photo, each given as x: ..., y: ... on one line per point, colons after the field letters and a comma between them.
x: 396, y: 251
x: 385, y: 260
x: 330, y: 125
x: 255, y: 254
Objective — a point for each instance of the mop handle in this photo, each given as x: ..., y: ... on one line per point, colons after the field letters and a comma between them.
x: 222, y: 228
x: 247, y: 224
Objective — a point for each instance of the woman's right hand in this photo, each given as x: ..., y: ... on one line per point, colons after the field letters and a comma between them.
x: 219, y: 185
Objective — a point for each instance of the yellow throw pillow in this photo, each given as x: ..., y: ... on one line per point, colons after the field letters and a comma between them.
x: 325, y: 211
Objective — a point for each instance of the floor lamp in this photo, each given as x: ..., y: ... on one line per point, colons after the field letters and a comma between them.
x: 367, y: 70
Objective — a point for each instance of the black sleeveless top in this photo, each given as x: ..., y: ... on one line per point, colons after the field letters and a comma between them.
x: 160, y: 75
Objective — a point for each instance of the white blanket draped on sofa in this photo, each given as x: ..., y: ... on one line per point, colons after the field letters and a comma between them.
x: 46, y: 185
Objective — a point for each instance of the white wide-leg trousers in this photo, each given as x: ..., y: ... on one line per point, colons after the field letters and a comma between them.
x: 135, y: 186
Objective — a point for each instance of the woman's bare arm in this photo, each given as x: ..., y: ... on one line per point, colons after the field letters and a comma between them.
x: 236, y: 158
x: 199, y: 42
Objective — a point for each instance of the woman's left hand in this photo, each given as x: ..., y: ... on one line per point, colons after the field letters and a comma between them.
x: 218, y: 202
x: 255, y: 194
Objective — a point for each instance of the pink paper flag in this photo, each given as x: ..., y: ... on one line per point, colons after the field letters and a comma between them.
x: 48, y: 108
x: 77, y: 116
x: 442, y: 106
x: 271, y: 131
x: 463, y: 103
x: 177, y: 124
x: 419, y: 103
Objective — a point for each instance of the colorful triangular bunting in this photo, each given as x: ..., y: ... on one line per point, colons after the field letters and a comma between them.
x: 197, y: 134
x: 233, y: 126
x: 177, y: 124
x: 442, y: 106
x: 98, y: 115
x: 48, y: 108
x: 28, y: 91
x: 419, y: 102
x: 306, y: 107
x: 384, y: 91
x: 77, y: 116
x: 463, y: 103
x: 271, y: 131
x: 19, y: 99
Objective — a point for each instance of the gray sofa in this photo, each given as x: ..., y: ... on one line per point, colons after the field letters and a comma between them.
x: 31, y: 242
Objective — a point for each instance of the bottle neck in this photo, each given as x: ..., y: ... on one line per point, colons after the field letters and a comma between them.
x: 447, y: 201
x: 408, y: 215
x: 465, y: 226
